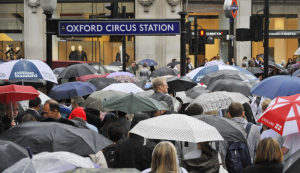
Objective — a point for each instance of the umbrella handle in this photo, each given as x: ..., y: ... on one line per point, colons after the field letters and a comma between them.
x: 29, y: 152
x: 12, y: 111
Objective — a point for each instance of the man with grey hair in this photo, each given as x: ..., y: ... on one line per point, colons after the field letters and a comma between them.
x: 8, y: 120
x: 51, y: 109
x: 77, y: 102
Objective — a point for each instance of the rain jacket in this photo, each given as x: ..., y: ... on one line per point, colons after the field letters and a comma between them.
x: 264, y: 167
x: 5, y: 124
x: 203, y: 164
x: 133, y: 70
x: 162, y: 97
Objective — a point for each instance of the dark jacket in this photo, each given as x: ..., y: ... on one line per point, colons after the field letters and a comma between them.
x: 132, y: 153
x: 268, y: 167
x: 93, y: 117
x: 168, y: 99
x: 81, y: 56
x: 118, y: 57
x: 73, y: 55
x: 203, y: 164
x: 32, y: 112
x: 66, y: 121
x: 5, y: 124
x: 122, y: 121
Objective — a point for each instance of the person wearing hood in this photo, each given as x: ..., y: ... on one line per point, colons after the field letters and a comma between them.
x: 80, y: 113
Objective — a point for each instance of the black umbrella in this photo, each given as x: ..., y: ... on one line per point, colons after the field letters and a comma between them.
x: 263, y: 55
x: 10, y: 153
x: 230, y: 130
x: 52, y: 136
x: 223, y: 74
x: 180, y: 83
x: 77, y: 70
x: 230, y: 86
x: 255, y: 70
x: 195, y: 92
x: 173, y: 63
x: 115, y: 64
x: 164, y: 71
x: 101, y: 83
x: 104, y: 170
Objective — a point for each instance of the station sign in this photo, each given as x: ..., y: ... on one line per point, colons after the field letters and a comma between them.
x: 230, y: 8
x: 284, y: 33
x: 124, y: 27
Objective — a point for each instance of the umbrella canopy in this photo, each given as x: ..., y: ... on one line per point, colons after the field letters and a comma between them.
x: 36, y: 83
x: 43, y: 97
x: 104, y: 170
x: 101, y: 83
x: 52, y: 137
x: 230, y: 86
x: 124, y: 79
x: 71, y: 89
x: 255, y: 70
x: 184, y: 97
x: 276, y: 86
x: 58, y: 70
x: 14, y: 93
x: 145, y: 93
x: 131, y: 103
x: 262, y: 55
x: 77, y: 70
x: 226, y: 74
x: 164, y: 71
x: 214, y: 62
x: 196, y: 91
x: 230, y: 130
x: 197, y: 74
x: 219, y: 100
x: 50, y: 162
x: 149, y: 62
x: 27, y: 69
x: 95, y: 99
x: 115, y: 64
x: 177, y: 127
x: 90, y: 76
x: 180, y: 83
x: 10, y: 153
x: 173, y: 63
x: 119, y: 73
x: 296, y: 73
x: 124, y: 87
x: 282, y: 115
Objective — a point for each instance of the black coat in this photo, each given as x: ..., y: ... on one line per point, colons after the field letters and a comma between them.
x: 93, y: 117
x: 66, y: 121
x: 34, y: 113
x: 81, y: 56
x: 132, y: 153
x: 5, y: 124
x: 122, y: 121
x: 264, y: 168
x: 73, y: 55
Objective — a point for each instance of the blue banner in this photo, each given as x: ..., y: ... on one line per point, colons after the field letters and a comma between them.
x: 132, y: 27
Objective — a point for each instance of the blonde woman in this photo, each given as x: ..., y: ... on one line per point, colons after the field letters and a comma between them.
x: 164, y: 160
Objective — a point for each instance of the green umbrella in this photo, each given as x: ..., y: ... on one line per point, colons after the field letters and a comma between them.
x: 131, y: 103
x: 95, y: 99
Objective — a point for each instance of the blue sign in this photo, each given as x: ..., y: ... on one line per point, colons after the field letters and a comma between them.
x: 234, y: 7
x: 127, y: 27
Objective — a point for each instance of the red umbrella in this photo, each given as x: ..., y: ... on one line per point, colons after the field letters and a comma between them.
x: 14, y: 93
x: 283, y: 115
x: 90, y: 76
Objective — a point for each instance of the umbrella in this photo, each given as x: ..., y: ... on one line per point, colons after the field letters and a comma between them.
x: 91, y: 76
x: 282, y: 115
x: 214, y: 62
x: 164, y: 71
x: 219, y: 100
x: 277, y: 86
x: 184, y: 97
x: 77, y: 70
x: 115, y: 64
x: 226, y: 74
x: 197, y: 74
x: 263, y: 55
x: 95, y: 99
x: 177, y: 127
x: 43, y: 97
x: 145, y: 93
x: 180, y: 83
x: 296, y: 73
x: 58, y: 70
x: 52, y: 137
x: 124, y: 87
x: 10, y: 153
x: 119, y: 73
x: 50, y: 162
x: 131, y: 103
x: 27, y: 69
x: 14, y: 93
x: 173, y: 63
x: 230, y: 130
x: 101, y: 83
x: 124, y: 79
x: 196, y: 91
x: 104, y: 170
x: 2, y: 60
x: 255, y: 70
x: 71, y: 89
x: 230, y: 86
x: 149, y: 62
x: 36, y: 83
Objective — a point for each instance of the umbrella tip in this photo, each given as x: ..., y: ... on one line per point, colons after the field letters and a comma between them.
x: 29, y: 152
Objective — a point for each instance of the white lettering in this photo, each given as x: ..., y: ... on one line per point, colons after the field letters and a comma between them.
x: 150, y: 28
x: 75, y: 28
x: 170, y: 27
x: 87, y: 30
x: 141, y: 27
x: 93, y: 28
x: 155, y: 26
x: 81, y: 27
x: 121, y: 27
x: 134, y: 27
x: 109, y: 30
x: 69, y: 30
x: 145, y: 26
x: 164, y: 29
x: 117, y: 27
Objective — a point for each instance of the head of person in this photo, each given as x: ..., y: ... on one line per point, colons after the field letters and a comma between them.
x: 12, y: 113
x: 115, y: 132
x: 236, y: 109
x: 268, y: 151
x: 188, y: 60
x: 244, y: 65
x: 283, y: 62
x: 227, y: 63
x: 194, y: 109
x: 218, y: 56
x: 205, y: 148
x: 133, y: 64
x: 265, y: 104
x: 252, y: 64
x: 160, y: 85
x: 35, y: 104
x: 51, y: 109
x: 145, y: 65
x: 205, y: 61
x: 257, y: 57
x: 290, y: 60
x: 244, y: 57
x: 78, y: 112
x: 253, y: 59
x: 27, y: 118
x: 77, y: 101
x: 232, y: 60
x: 164, y: 158
x: 174, y: 59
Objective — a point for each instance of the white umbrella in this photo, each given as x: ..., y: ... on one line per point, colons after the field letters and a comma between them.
x: 26, y: 69
x: 124, y: 87
x: 177, y: 127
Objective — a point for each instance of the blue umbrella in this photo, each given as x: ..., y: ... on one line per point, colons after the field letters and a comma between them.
x: 149, y: 62
x: 276, y: 86
x: 71, y: 89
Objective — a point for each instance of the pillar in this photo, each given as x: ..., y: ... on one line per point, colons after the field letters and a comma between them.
x: 279, y: 44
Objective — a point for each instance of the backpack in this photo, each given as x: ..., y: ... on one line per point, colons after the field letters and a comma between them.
x: 238, y: 155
